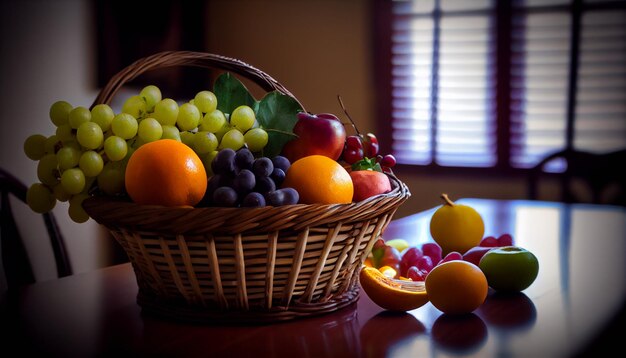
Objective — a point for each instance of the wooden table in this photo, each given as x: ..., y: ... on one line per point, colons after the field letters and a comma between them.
x: 578, y: 293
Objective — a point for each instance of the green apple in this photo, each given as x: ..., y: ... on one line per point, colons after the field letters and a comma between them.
x: 509, y: 268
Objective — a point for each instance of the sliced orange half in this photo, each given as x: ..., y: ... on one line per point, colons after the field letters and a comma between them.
x: 392, y: 294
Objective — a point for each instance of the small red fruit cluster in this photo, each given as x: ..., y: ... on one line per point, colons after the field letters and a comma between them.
x: 415, y: 263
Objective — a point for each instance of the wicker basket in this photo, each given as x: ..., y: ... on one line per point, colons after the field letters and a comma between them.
x: 242, y: 264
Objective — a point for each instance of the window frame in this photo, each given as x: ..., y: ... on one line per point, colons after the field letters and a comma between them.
x: 503, y: 14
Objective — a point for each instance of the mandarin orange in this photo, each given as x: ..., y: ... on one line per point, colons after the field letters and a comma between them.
x: 320, y: 180
x: 392, y: 294
x: 165, y: 172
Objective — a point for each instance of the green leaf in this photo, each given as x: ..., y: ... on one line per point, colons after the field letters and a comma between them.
x: 367, y: 164
x: 231, y: 93
x: 277, y: 115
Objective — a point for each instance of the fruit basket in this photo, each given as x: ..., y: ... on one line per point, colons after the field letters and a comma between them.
x: 265, y: 264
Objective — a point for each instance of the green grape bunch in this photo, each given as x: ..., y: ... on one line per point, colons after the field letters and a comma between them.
x: 89, y: 149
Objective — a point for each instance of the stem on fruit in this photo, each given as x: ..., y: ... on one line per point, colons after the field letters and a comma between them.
x: 281, y: 132
x: 447, y: 200
x: 348, y: 115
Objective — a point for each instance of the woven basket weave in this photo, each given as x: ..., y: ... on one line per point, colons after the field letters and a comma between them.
x: 242, y: 264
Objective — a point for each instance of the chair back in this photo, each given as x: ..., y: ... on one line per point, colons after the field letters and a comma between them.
x: 16, y: 264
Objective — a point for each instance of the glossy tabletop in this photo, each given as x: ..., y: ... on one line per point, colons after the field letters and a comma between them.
x: 579, y: 289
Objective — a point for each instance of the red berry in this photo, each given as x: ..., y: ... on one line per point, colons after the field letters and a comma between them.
x: 409, y: 258
x: 352, y: 155
x: 489, y: 241
x: 416, y: 274
x: 388, y: 161
x: 371, y: 138
x: 433, y: 250
x: 371, y: 149
x: 354, y: 142
x: 505, y: 240
x: 451, y: 257
x: 425, y: 263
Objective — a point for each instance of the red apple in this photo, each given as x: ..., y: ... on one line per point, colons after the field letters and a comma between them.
x: 321, y: 134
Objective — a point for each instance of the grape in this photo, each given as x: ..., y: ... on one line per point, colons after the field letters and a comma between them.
x: 47, y: 170
x: 281, y: 162
x: 262, y: 167
x: 68, y: 157
x: 207, y: 159
x: 224, y: 162
x: 78, y: 116
x: 256, y: 139
x: 409, y: 258
x: 170, y: 132
x: 244, y: 159
x: 244, y: 182
x: 425, y: 263
x: 111, y: 179
x: 115, y: 148
x: 60, y: 194
x: 275, y: 198
x: 212, y: 121
x: 290, y: 196
x: 278, y: 176
x: 76, y: 211
x: 352, y: 155
x: 187, y: 138
x: 151, y: 95
x: 505, y: 240
x: 136, y: 143
x: 433, y: 250
x: 102, y: 115
x: 212, y: 185
x: 253, y: 199
x: 52, y: 144
x: 39, y: 198
x: 166, y: 112
x: 188, y: 117
x: 242, y: 118
x: 225, y: 196
x: 64, y: 133
x: 388, y: 161
x: 135, y: 106
x: 35, y: 146
x: 416, y: 274
x: 204, y: 142
x: 371, y: 146
x: 59, y: 112
x: 222, y: 131
x: 124, y: 125
x: 451, y: 257
x: 354, y: 142
x: 77, y: 214
x: 73, y: 180
x: 150, y: 130
x: 90, y: 135
x: 205, y: 101
x: 91, y: 163
x: 264, y: 185
x: 232, y: 139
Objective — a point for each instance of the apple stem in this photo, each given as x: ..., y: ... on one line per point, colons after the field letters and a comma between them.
x: 348, y: 115
x: 281, y: 132
x: 447, y: 200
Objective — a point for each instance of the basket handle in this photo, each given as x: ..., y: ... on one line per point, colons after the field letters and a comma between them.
x: 193, y: 59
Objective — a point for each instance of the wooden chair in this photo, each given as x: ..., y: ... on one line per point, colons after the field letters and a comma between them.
x: 597, y: 171
x: 16, y: 264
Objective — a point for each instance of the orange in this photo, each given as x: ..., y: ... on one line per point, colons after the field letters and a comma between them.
x: 165, y: 172
x: 456, y: 287
x: 320, y: 180
x: 392, y: 294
